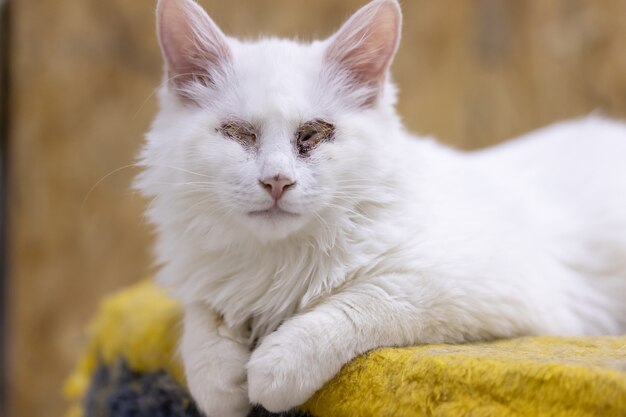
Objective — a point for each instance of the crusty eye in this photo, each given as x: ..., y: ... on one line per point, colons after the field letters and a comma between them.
x: 241, y: 132
x: 311, y: 134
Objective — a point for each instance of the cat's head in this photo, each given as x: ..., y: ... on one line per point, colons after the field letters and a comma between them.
x: 269, y: 136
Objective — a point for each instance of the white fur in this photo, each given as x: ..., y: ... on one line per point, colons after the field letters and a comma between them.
x: 398, y: 240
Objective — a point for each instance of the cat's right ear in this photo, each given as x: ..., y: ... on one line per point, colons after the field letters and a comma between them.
x: 194, y: 48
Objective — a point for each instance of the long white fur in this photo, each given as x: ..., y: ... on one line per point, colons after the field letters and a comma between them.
x: 398, y: 240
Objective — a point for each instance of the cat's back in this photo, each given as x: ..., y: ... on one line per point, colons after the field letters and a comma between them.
x: 593, y: 141
x: 580, y: 162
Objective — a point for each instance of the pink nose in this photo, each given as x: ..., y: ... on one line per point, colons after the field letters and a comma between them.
x: 277, y: 185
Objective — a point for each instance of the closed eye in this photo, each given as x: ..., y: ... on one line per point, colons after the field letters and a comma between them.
x: 311, y: 134
x: 239, y: 131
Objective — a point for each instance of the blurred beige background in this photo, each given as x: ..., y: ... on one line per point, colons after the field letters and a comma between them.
x: 82, y: 75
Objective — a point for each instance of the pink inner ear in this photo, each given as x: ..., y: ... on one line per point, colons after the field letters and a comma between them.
x: 193, y: 46
x: 365, y: 45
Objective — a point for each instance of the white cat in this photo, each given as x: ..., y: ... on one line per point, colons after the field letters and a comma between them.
x: 300, y: 225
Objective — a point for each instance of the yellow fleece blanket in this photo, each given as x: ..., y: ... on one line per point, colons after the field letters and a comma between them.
x: 543, y: 376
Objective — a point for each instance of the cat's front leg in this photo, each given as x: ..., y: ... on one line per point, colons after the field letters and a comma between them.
x: 296, y: 360
x: 215, y: 357
x: 304, y: 353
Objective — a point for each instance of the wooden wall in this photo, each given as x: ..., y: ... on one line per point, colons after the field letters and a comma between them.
x: 472, y: 72
x: 4, y: 141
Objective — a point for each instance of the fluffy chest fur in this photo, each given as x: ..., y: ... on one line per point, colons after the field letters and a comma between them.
x: 260, y: 284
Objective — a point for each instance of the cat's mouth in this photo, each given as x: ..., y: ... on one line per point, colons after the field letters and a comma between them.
x: 272, y: 212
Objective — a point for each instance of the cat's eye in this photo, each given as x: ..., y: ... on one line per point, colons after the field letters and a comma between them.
x: 238, y: 131
x: 311, y: 134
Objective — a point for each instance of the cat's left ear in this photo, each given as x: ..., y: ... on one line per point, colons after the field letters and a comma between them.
x: 362, y: 50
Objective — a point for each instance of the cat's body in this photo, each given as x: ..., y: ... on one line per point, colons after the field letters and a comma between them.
x: 375, y: 237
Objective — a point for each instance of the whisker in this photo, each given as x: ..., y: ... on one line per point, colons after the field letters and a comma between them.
x: 141, y: 164
x: 188, y: 183
x: 82, y: 204
x: 143, y: 104
x: 135, y: 165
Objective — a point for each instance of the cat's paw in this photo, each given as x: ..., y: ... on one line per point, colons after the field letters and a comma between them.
x: 220, y: 398
x: 281, y: 375
x: 218, y: 383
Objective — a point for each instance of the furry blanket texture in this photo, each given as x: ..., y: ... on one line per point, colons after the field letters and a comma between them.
x: 130, y: 368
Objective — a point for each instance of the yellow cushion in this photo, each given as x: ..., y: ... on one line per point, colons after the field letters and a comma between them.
x: 543, y: 376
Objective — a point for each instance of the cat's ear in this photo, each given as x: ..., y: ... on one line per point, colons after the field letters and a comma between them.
x: 362, y: 50
x: 194, y: 48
